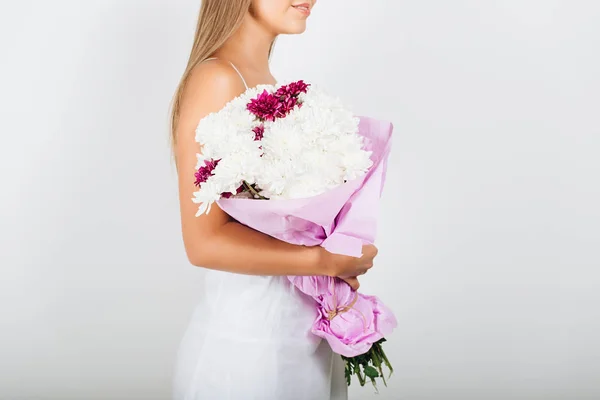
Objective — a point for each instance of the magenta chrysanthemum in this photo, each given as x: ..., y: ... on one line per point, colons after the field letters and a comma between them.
x: 288, y: 96
x: 292, y: 90
x: 205, y: 172
x: 259, y: 132
x: 229, y: 194
x: 287, y: 104
x: 266, y: 106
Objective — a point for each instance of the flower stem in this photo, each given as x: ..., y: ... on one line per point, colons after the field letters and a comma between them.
x: 253, y: 191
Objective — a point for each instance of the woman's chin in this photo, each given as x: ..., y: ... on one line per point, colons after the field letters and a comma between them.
x: 295, y: 28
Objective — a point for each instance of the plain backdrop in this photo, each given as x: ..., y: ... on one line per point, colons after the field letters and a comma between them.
x: 489, y: 240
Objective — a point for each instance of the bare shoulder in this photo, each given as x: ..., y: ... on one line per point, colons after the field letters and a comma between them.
x: 209, y: 87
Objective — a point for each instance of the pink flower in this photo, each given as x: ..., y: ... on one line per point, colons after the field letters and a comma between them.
x: 206, y: 171
x: 292, y: 89
x: 288, y: 95
x: 352, y: 322
x: 287, y: 104
x: 227, y: 195
x: 266, y: 106
x: 259, y: 132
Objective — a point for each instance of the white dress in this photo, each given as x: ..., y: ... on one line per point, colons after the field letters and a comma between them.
x: 249, y: 339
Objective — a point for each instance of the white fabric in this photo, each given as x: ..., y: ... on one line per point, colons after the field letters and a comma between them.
x: 249, y: 339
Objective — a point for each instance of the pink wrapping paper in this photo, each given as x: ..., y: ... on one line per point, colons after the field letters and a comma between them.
x: 341, y: 220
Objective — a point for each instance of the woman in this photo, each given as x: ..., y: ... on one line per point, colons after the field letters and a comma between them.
x: 249, y: 337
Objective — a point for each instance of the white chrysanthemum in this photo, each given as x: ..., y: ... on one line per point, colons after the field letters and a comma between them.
x: 225, y: 131
x: 313, y: 149
x: 316, y: 147
x: 227, y: 136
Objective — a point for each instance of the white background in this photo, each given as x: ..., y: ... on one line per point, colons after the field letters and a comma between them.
x: 489, y: 238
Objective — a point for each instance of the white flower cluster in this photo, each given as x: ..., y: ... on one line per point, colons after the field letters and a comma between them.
x: 316, y: 147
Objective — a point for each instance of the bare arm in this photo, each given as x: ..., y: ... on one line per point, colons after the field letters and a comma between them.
x: 215, y: 240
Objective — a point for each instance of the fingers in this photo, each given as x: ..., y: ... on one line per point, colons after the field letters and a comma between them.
x: 353, y: 282
x: 370, y: 251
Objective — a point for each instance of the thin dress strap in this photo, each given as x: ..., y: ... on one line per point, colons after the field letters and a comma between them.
x: 234, y: 67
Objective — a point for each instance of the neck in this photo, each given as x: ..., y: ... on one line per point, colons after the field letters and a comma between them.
x: 249, y: 46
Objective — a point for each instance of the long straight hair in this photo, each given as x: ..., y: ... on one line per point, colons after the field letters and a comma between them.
x: 218, y: 21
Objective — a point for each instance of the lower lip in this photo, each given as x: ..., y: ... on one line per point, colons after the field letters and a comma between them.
x: 304, y: 11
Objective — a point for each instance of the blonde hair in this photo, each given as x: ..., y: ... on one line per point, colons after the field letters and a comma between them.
x: 218, y: 21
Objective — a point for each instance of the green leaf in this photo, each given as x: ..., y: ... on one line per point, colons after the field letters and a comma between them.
x: 371, y: 372
x: 372, y: 363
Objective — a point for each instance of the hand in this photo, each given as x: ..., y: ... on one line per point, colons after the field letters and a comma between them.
x: 350, y: 268
x: 353, y: 282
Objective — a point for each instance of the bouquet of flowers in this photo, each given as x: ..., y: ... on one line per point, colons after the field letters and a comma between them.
x: 323, y: 170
